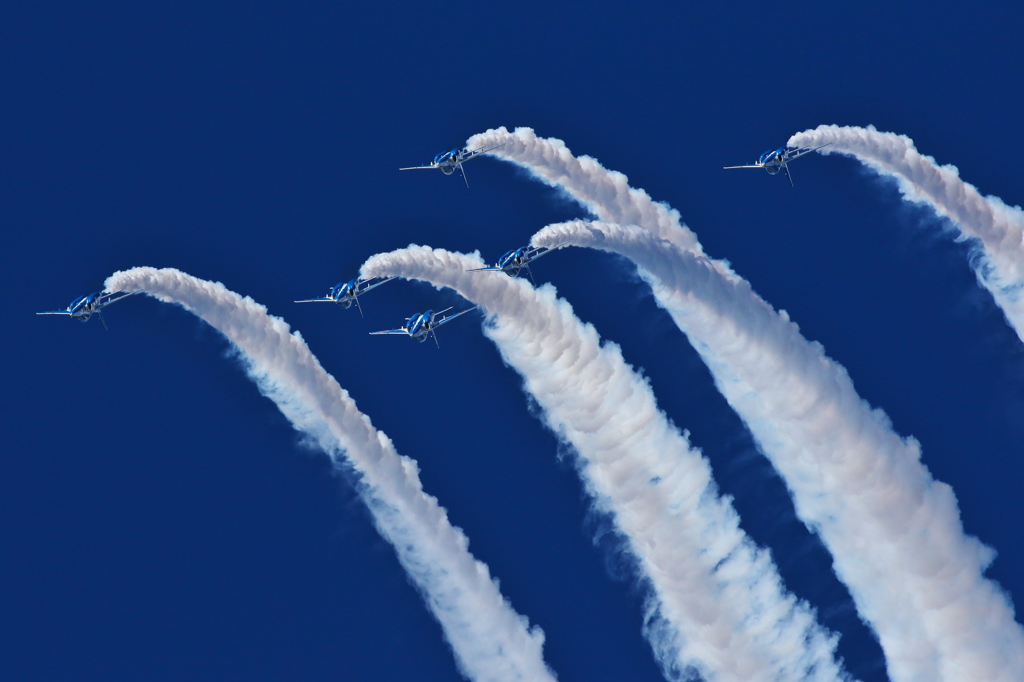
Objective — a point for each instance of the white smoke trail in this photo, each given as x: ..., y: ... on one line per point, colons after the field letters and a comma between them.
x: 606, y: 193
x: 716, y: 603
x: 894, y: 532
x: 998, y: 228
x: 490, y: 640
x: 941, y: 645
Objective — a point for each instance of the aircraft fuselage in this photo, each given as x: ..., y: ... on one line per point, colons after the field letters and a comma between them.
x: 772, y: 160
x: 447, y: 161
x: 83, y: 307
x: 419, y: 325
x: 344, y: 293
x: 511, y: 262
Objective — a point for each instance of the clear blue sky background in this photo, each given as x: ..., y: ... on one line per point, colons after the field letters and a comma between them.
x: 162, y: 521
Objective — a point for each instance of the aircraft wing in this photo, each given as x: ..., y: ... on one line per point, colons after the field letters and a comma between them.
x: 391, y: 331
x: 538, y: 251
x: 728, y: 167
x: 107, y: 299
x: 805, y: 150
x: 385, y: 280
x: 55, y: 312
x: 418, y: 168
x: 477, y: 152
x: 493, y: 268
x: 448, y: 319
x: 316, y: 300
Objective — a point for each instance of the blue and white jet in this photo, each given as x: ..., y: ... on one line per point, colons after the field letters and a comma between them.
x: 425, y: 324
x: 347, y: 293
x: 448, y: 162
x: 777, y: 160
x: 84, y: 307
x: 519, y: 259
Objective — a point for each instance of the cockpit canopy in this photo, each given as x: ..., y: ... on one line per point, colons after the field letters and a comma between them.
x: 445, y: 156
x: 83, y: 302
x: 771, y: 155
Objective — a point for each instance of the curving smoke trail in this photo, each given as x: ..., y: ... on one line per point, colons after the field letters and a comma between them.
x: 997, y: 228
x: 605, y: 193
x: 490, y: 640
x: 716, y: 604
x: 893, y: 531
x: 819, y: 434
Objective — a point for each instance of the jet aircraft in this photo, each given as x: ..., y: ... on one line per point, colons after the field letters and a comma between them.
x: 776, y: 160
x: 425, y: 324
x: 347, y: 293
x: 519, y: 259
x: 84, y: 307
x: 449, y: 161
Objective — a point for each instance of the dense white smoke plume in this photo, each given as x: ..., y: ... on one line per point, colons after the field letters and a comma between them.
x: 894, y: 532
x: 490, y: 640
x: 716, y: 603
x: 951, y: 623
x: 605, y: 193
x: 998, y: 228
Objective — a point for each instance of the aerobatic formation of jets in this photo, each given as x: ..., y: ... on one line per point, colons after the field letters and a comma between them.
x: 420, y: 326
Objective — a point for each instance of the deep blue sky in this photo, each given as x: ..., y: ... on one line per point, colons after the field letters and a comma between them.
x: 161, y: 520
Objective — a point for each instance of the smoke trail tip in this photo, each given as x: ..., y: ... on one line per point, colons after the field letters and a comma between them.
x: 567, y: 233
x: 491, y: 137
x: 391, y: 263
x: 513, y: 143
x: 122, y: 280
x: 813, y: 137
x: 384, y: 265
x: 545, y: 237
